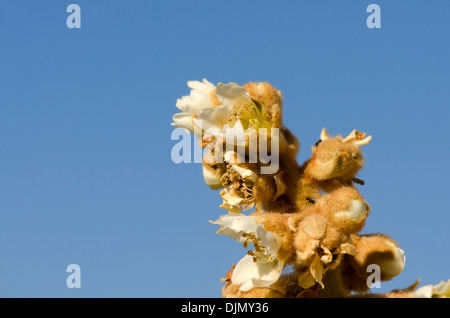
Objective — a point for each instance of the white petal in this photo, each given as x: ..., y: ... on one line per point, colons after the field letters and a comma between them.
x: 205, y: 81
x: 268, y: 273
x: 235, y: 224
x: 202, y: 99
x: 424, y: 292
x: 212, y: 130
x: 442, y: 289
x: 214, y: 118
x: 187, y: 104
x: 249, y: 274
x: 244, y: 272
x: 193, y: 103
x: 204, y: 87
x: 231, y: 93
x: 198, y: 98
x: 234, y: 136
x: 183, y: 120
x: 270, y: 241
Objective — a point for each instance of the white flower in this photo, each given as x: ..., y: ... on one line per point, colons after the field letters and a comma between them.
x: 199, y: 98
x: 225, y: 119
x: 229, y: 95
x: 260, y: 268
x: 209, y: 107
x: 441, y: 290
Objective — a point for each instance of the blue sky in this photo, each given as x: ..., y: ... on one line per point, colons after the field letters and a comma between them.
x: 86, y: 175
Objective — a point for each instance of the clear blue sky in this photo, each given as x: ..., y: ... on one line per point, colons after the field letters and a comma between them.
x: 86, y: 175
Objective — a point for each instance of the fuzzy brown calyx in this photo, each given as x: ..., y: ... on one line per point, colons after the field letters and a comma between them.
x: 337, y: 157
x: 322, y: 236
x: 373, y: 249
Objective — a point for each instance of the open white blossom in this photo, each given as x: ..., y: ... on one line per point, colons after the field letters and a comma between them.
x: 209, y: 107
x: 230, y: 96
x: 441, y: 290
x: 261, y: 267
x: 198, y: 99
